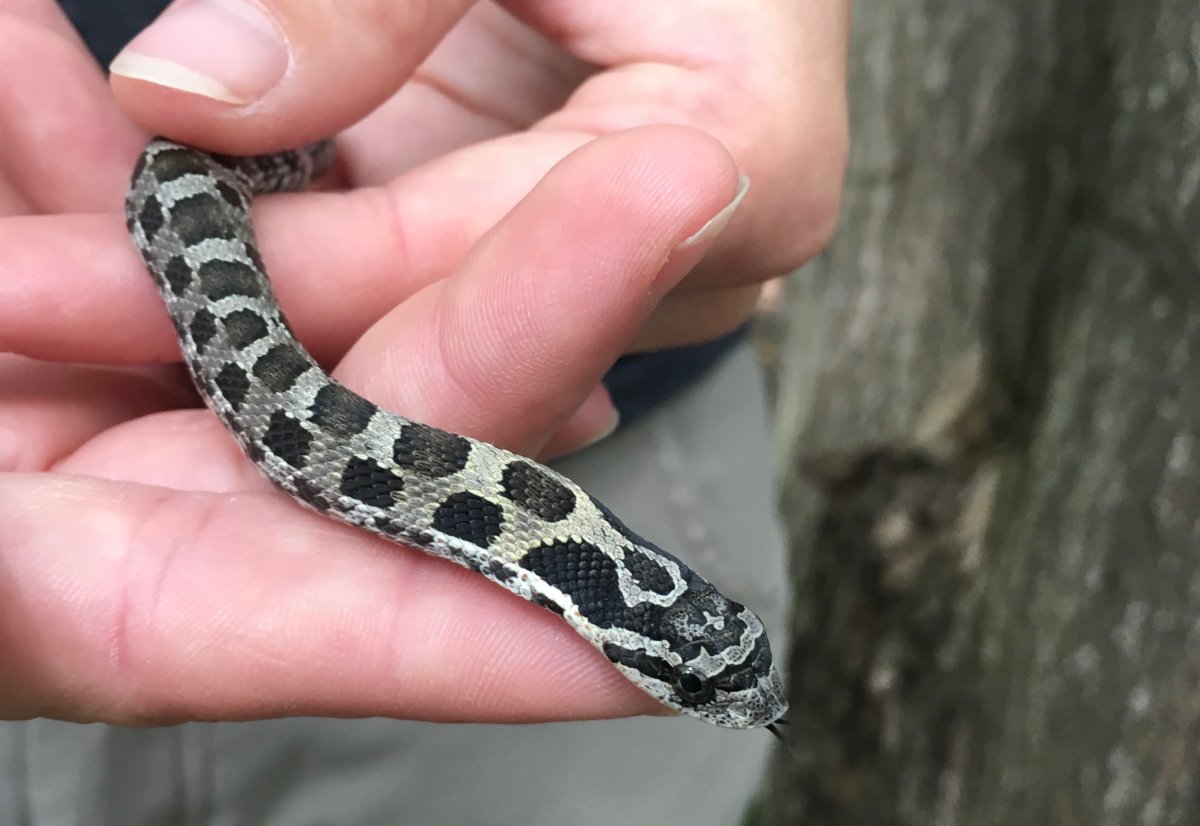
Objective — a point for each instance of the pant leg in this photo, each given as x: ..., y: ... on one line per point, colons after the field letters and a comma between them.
x: 695, y: 476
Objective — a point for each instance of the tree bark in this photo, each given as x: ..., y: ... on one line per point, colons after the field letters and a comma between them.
x: 989, y: 420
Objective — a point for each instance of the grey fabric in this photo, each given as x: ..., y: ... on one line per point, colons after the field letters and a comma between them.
x: 695, y: 476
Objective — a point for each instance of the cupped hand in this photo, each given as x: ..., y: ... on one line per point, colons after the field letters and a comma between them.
x: 458, y: 107
x: 147, y: 573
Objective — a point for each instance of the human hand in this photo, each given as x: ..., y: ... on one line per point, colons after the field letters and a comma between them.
x: 456, y: 109
x: 147, y: 573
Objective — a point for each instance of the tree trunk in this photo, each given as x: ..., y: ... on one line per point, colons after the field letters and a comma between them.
x: 989, y: 421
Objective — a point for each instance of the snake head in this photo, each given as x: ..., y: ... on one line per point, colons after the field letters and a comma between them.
x: 659, y: 622
x: 665, y: 627
x: 711, y: 659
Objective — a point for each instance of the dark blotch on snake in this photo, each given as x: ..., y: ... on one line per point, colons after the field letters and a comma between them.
x: 151, y: 217
x: 202, y: 217
x: 537, y: 492
x: 202, y: 329
x: 233, y: 383
x: 430, y: 452
x: 589, y: 577
x: 279, y: 367
x: 470, y: 517
x: 172, y: 164
x: 370, y: 483
x: 340, y: 411
x: 179, y: 275
x: 647, y: 572
x: 231, y: 195
x: 221, y: 279
x: 243, y: 328
x: 287, y: 439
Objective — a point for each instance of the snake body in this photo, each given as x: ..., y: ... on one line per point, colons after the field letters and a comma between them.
x: 515, y: 522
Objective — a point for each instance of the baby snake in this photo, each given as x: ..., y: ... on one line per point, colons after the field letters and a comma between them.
x: 518, y: 523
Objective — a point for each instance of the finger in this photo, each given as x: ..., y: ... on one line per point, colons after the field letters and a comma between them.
x: 48, y: 410
x: 242, y: 76
x: 72, y: 288
x: 59, y: 96
x: 513, y: 345
x: 598, y: 241
x: 768, y: 82
x: 137, y: 605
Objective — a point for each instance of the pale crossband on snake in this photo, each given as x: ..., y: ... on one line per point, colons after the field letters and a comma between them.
x: 519, y: 524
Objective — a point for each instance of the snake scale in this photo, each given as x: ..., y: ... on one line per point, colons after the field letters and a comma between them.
x: 517, y: 523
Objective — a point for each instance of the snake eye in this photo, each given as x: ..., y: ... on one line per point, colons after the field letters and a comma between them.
x: 690, y: 685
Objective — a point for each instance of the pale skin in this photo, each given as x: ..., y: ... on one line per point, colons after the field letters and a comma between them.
x: 496, y: 160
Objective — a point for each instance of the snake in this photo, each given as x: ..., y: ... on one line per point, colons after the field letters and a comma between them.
x: 516, y: 522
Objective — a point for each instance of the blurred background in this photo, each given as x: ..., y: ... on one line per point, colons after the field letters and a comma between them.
x: 987, y: 406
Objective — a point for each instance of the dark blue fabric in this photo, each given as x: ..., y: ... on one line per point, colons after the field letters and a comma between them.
x: 637, y: 383
x: 107, y: 25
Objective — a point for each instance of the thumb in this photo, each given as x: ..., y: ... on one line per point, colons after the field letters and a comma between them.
x: 248, y: 76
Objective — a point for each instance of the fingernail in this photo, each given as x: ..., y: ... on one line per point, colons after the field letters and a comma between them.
x: 713, y: 227
x: 692, y: 249
x: 226, y: 50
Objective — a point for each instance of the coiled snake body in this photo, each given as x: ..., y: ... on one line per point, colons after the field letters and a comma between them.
x: 514, y: 521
